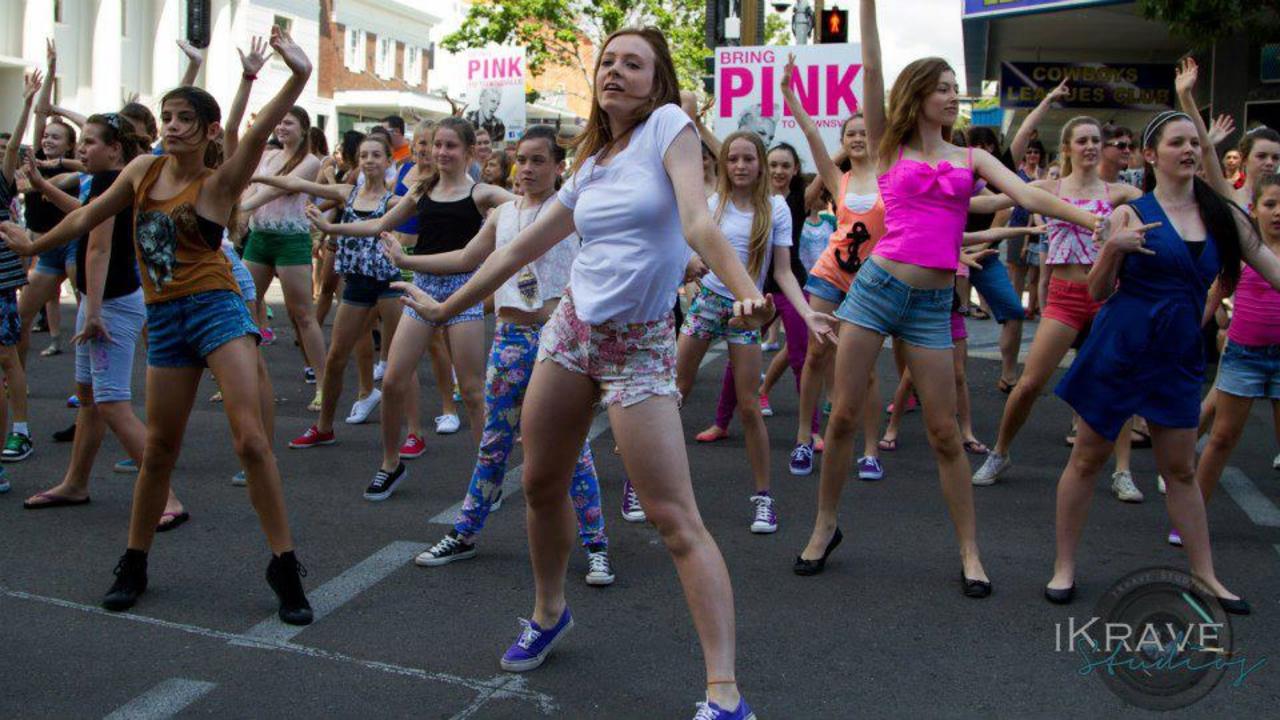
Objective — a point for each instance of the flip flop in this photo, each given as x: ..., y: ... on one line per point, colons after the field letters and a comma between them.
x: 1139, y: 439
x: 888, y: 444
x: 53, y: 501
x: 974, y: 447
x: 1070, y: 441
x: 178, y: 519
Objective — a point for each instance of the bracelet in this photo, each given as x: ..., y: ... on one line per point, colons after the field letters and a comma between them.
x: 249, y: 77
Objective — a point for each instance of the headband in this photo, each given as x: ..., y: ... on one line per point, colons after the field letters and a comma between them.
x: 1159, y: 121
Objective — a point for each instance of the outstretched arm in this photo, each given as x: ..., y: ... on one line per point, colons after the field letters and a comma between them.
x: 827, y: 169
x: 1185, y: 83
x: 46, y: 91
x: 996, y: 234
x: 9, y: 164
x: 458, y: 261
x: 250, y: 65
x: 395, y: 217
x: 1028, y: 196
x: 872, y: 77
x: 294, y: 183
x: 117, y: 197
x: 1256, y: 255
x: 229, y: 180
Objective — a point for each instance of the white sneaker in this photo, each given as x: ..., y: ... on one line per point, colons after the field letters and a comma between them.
x: 447, y: 424
x: 600, y: 571
x: 1275, y: 464
x: 992, y: 468
x: 1123, y: 488
x: 363, y: 408
x: 1161, y: 486
x: 766, y: 520
x: 379, y: 369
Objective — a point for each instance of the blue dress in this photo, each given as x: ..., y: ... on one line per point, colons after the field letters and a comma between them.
x: 1144, y: 355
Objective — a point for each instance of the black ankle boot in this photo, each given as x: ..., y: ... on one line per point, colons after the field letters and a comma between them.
x: 131, y: 581
x: 284, y: 575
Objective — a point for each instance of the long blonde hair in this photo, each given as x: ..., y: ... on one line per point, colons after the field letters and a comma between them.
x: 1068, y: 131
x: 761, y: 200
x: 596, y: 137
x: 906, y: 101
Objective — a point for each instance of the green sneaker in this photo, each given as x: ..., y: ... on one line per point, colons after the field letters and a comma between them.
x: 17, y: 447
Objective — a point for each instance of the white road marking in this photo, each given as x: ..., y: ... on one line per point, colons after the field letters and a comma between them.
x: 163, y: 701
x: 499, y: 686
x: 1250, y: 499
x: 341, y: 589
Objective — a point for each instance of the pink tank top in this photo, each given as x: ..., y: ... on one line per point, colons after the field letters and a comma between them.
x: 925, y: 208
x: 1068, y: 243
x: 1257, y: 311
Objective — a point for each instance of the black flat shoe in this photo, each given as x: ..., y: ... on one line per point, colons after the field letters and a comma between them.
x: 976, y: 589
x: 1235, y: 607
x: 813, y: 567
x: 1060, y: 596
x: 66, y: 435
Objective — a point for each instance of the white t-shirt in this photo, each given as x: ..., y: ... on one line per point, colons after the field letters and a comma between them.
x: 736, y: 226
x: 543, y: 279
x: 633, y: 248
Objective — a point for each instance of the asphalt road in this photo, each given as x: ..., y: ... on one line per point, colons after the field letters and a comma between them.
x: 884, y: 632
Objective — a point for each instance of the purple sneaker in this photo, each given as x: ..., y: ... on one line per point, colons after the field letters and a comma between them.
x: 534, y: 644
x: 802, y: 459
x: 631, y: 510
x: 1175, y: 538
x: 766, y: 520
x: 869, y: 468
x: 711, y: 711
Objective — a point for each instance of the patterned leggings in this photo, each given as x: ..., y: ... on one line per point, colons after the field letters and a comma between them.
x: 515, y: 348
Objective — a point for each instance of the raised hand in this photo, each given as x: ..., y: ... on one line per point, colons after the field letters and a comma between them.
x: 1058, y: 93
x: 1221, y: 129
x: 422, y: 303
x: 193, y: 53
x: 32, y: 86
x: 256, y: 58
x: 51, y: 54
x: 788, y: 71
x: 392, y: 248
x: 289, y: 52
x: 1185, y: 75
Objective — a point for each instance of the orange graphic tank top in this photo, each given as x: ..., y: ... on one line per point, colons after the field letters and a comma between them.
x: 174, y: 258
x: 856, y: 235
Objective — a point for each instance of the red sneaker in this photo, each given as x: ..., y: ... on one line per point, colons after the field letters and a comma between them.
x: 413, y: 447
x: 312, y: 438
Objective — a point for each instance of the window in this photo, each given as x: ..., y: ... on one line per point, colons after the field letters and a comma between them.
x: 386, y: 58
x: 413, y: 65
x: 284, y: 23
x: 124, y: 18
x: 353, y: 55
x: 57, y: 11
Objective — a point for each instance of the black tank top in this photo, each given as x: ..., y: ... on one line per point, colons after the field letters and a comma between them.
x: 41, y: 214
x: 446, y: 226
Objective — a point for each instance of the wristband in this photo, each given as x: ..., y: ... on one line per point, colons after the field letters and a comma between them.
x: 249, y: 77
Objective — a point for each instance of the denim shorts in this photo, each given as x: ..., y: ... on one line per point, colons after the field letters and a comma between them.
x: 10, y: 321
x: 243, y: 277
x: 820, y: 288
x: 183, y: 331
x: 708, y: 319
x: 993, y: 284
x: 364, y: 291
x: 1251, y: 371
x: 58, y: 260
x: 107, y: 365
x: 440, y: 287
x: 880, y: 302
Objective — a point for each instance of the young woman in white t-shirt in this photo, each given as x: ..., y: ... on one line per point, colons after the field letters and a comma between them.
x: 524, y: 303
x: 757, y: 224
x: 634, y: 198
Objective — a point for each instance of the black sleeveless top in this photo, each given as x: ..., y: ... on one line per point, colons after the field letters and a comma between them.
x: 446, y: 226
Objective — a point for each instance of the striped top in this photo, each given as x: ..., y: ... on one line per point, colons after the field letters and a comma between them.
x: 12, y: 274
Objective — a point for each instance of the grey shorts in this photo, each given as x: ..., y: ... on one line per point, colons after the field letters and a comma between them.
x: 107, y: 365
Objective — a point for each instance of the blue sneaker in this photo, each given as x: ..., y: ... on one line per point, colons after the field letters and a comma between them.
x: 4, y: 481
x: 126, y: 467
x: 711, y: 711
x: 802, y: 459
x: 239, y: 479
x: 869, y: 468
x: 534, y: 644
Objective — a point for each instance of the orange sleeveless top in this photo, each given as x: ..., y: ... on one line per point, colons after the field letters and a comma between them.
x: 174, y: 259
x: 851, y: 244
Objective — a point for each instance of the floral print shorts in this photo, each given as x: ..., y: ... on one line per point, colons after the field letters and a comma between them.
x: 708, y: 319
x: 631, y: 362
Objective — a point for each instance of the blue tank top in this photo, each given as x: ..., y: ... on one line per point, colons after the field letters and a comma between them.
x: 410, y: 227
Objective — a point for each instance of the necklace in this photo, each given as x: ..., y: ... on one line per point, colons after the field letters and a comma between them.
x: 527, y: 281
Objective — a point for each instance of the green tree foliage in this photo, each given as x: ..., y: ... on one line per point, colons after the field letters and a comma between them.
x: 1203, y: 21
x: 552, y: 31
